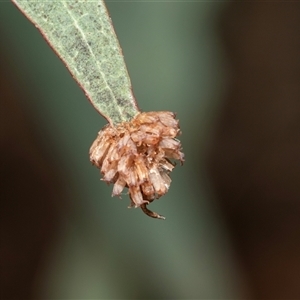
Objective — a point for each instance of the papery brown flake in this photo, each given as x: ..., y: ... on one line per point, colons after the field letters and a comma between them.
x: 138, y: 155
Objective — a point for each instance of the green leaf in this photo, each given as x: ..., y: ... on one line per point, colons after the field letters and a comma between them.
x: 82, y: 35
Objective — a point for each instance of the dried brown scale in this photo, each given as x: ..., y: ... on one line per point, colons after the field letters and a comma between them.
x: 137, y: 155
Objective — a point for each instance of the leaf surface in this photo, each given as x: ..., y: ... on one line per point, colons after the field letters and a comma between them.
x: 82, y: 35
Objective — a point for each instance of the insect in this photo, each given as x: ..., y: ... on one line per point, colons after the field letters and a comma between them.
x: 137, y: 155
x: 135, y: 150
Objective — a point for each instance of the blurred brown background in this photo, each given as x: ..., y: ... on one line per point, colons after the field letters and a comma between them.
x: 232, y: 73
x: 254, y: 160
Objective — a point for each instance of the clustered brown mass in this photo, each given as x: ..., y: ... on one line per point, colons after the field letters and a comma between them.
x: 139, y: 155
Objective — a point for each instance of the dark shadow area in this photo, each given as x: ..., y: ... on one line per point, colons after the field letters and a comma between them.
x: 254, y: 159
x: 31, y: 187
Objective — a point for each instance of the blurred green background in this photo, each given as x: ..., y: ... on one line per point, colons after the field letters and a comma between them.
x: 64, y: 237
x: 102, y: 249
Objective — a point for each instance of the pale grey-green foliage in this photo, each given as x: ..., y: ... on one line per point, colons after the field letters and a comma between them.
x: 81, y: 33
